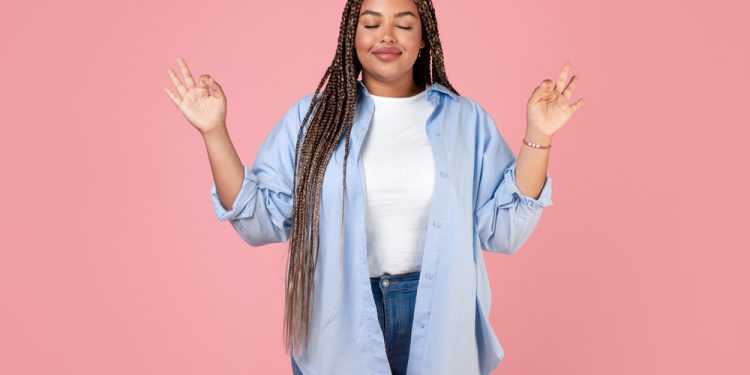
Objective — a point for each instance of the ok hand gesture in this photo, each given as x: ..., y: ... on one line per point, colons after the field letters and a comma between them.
x: 549, y: 109
x: 203, y: 109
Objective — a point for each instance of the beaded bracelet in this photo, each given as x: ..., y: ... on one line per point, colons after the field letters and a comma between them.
x: 527, y: 143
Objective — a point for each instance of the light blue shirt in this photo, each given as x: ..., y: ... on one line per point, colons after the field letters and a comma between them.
x: 476, y: 205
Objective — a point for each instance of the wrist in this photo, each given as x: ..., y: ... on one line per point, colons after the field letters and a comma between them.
x: 217, y: 131
x: 535, y: 136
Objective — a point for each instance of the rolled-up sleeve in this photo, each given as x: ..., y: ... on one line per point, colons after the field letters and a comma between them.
x: 262, y: 211
x: 240, y: 207
x: 505, y: 217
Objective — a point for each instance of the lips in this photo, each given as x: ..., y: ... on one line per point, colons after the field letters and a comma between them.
x: 386, y: 57
x: 387, y: 50
x: 387, y: 54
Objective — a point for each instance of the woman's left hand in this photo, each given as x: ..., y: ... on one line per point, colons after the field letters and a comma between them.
x: 549, y: 109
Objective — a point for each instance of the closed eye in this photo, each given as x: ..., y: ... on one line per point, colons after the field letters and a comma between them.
x: 372, y: 27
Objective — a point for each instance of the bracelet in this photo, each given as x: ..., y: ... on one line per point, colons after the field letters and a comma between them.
x: 527, y: 143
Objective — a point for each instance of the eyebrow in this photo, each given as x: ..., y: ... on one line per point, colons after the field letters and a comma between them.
x: 378, y: 14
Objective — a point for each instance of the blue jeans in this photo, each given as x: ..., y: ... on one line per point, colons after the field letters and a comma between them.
x: 394, y: 301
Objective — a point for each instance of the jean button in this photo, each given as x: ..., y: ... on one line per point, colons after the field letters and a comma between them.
x: 386, y: 283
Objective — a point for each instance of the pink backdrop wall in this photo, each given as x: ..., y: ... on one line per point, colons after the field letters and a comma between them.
x: 113, y: 262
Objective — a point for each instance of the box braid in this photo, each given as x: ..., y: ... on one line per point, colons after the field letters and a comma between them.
x: 332, y: 118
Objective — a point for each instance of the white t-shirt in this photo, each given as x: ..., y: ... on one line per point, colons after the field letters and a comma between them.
x: 399, y: 176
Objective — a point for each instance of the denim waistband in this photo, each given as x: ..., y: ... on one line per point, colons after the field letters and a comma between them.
x: 408, y: 280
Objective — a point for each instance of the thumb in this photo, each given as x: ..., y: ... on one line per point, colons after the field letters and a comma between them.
x: 217, y: 91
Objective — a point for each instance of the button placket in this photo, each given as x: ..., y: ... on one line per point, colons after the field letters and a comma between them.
x: 436, y: 212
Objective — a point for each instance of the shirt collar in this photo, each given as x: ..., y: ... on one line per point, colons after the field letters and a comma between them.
x: 432, y: 88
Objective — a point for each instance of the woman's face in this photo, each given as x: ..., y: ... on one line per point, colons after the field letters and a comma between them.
x: 393, y: 24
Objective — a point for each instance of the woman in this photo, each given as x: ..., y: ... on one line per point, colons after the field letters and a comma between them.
x: 385, y: 262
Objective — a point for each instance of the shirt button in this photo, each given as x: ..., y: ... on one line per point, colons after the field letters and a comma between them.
x: 437, y: 134
x: 422, y: 325
x: 436, y: 224
x: 443, y: 174
x: 386, y: 283
x: 428, y: 276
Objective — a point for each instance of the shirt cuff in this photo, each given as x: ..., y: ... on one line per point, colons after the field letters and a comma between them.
x: 508, y: 192
x: 242, y: 206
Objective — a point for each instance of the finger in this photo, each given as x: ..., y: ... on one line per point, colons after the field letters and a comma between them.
x: 551, y: 97
x: 177, y: 83
x: 189, y: 81
x: 542, y: 91
x: 202, y: 81
x: 574, y: 107
x: 546, y: 86
x: 548, y: 93
x: 562, y: 77
x: 571, y: 86
x: 217, y: 90
x: 175, y: 99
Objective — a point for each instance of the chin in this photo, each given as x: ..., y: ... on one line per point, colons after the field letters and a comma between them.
x: 385, y: 74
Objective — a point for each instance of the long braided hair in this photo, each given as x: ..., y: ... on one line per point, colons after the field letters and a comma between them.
x: 332, y: 118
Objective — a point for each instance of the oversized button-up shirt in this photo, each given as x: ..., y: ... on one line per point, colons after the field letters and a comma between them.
x: 476, y: 206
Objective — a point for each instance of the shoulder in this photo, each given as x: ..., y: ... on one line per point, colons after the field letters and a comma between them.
x: 286, y: 131
x: 468, y: 109
x: 480, y: 121
x: 472, y: 114
x: 299, y: 109
x: 304, y: 102
x: 294, y: 115
x: 472, y: 106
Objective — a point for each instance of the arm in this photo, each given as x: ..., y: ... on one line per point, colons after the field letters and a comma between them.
x: 506, y: 220
x: 226, y: 166
x: 532, y: 164
x: 261, y: 198
x: 505, y: 216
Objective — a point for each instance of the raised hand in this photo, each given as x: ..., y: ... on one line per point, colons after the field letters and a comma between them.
x: 204, y: 109
x: 549, y: 109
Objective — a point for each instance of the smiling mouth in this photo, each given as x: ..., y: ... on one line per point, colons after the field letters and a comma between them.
x: 387, y: 56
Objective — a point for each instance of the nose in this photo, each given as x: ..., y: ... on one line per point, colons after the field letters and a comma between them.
x: 387, y: 38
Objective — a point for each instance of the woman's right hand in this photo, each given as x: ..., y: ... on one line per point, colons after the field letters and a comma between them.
x: 205, y: 110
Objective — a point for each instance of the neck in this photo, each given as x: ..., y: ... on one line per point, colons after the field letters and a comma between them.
x: 400, y: 88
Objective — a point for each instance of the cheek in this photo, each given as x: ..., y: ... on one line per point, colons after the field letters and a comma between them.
x: 363, y: 42
x: 358, y: 43
x: 415, y: 40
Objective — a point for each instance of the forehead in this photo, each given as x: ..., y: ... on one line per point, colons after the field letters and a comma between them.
x: 388, y: 8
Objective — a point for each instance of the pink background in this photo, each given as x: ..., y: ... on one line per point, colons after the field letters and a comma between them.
x: 113, y: 262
